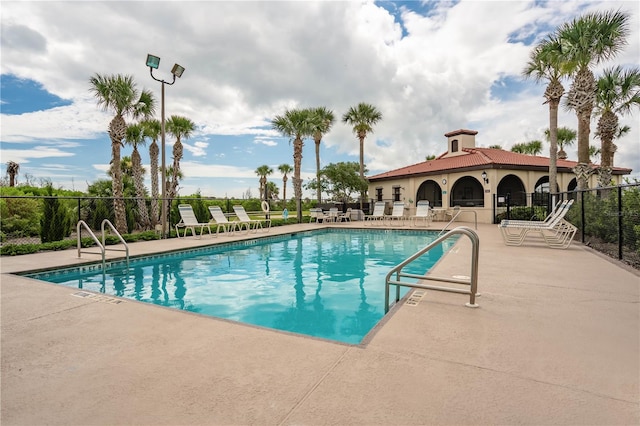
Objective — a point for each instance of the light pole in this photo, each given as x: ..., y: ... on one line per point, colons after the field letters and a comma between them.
x: 153, y: 62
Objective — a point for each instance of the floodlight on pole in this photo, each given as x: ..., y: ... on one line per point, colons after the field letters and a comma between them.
x: 153, y: 62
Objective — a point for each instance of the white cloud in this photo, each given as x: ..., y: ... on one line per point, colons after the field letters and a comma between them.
x: 248, y: 61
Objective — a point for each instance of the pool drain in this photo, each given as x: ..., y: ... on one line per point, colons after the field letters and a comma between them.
x: 415, y: 298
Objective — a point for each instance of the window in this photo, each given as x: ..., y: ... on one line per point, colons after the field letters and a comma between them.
x: 396, y: 193
x: 378, y: 194
x: 454, y: 145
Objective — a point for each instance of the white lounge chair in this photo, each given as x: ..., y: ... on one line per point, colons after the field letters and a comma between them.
x: 423, y: 213
x: 225, y: 224
x: 378, y: 213
x: 254, y: 224
x: 188, y: 220
x: 397, y: 213
x: 555, y: 231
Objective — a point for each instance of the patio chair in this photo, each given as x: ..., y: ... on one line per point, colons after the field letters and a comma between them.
x: 378, y: 213
x: 188, y: 220
x: 423, y: 213
x: 346, y: 216
x: 254, y: 224
x: 397, y: 213
x: 317, y: 215
x: 555, y: 231
x: 225, y: 224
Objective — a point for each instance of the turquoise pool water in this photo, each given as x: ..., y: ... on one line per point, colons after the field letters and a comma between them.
x: 327, y: 283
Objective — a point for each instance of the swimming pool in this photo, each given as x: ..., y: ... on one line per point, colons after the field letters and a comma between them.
x: 327, y: 283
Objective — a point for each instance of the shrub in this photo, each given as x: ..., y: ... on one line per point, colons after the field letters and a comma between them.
x: 55, y: 223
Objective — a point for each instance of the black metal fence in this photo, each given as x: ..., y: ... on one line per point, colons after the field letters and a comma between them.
x: 608, y: 219
x: 22, y: 217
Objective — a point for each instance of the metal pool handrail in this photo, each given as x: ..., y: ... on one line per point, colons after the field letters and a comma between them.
x: 101, y: 245
x: 472, y: 282
x: 458, y: 213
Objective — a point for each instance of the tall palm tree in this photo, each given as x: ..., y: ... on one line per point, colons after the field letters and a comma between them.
x: 12, y: 170
x: 529, y: 148
x: 545, y: 64
x: 134, y: 137
x: 285, y: 169
x: 296, y: 124
x: 322, y: 120
x: 263, y: 171
x: 180, y: 128
x: 362, y: 117
x: 565, y: 137
x: 586, y: 41
x: 153, y: 130
x: 119, y: 94
x: 618, y: 92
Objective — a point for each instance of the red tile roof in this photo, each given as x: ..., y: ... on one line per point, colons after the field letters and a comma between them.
x: 481, y: 158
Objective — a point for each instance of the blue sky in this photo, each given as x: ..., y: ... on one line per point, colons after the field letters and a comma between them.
x: 429, y: 67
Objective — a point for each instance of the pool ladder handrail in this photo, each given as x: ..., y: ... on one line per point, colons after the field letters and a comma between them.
x: 472, y: 282
x: 101, y: 245
x: 458, y: 213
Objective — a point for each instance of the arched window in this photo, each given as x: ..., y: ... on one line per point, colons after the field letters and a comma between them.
x: 454, y: 145
x: 467, y: 192
x: 431, y: 191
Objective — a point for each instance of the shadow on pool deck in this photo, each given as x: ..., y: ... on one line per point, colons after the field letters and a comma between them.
x: 556, y: 340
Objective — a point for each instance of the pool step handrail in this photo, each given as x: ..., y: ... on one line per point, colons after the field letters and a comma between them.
x: 458, y: 212
x: 115, y: 231
x: 472, y: 282
x: 82, y: 224
x: 102, y: 245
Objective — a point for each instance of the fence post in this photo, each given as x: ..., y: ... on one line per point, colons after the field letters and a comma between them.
x: 620, y: 230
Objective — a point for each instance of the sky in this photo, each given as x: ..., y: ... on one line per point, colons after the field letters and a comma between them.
x: 430, y: 67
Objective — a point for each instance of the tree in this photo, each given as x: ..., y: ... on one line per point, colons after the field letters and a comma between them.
x: 430, y: 157
x: 565, y: 137
x: 180, y: 128
x: 153, y: 130
x: 118, y: 93
x: 362, y: 118
x: 618, y: 92
x: 342, y: 179
x: 322, y: 119
x: 295, y: 124
x: 495, y: 146
x: 12, y: 170
x: 529, y: 148
x: 272, y: 190
x: 545, y: 63
x: 55, y: 223
x: 263, y: 171
x: 284, y: 169
x: 586, y: 41
x: 135, y: 137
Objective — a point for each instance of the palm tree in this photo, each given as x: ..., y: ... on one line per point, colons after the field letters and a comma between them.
x: 284, y: 169
x: 529, y: 148
x: 296, y: 124
x: 545, y: 64
x: 179, y: 127
x: 588, y: 40
x: 322, y: 120
x: 263, y: 172
x: 618, y: 92
x: 153, y: 130
x: 119, y: 94
x: 12, y: 170
x: 565, y: 137
x: 362, y: 118
x: 134, y: 137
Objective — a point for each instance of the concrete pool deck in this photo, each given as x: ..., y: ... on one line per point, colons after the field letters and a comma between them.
x: 556, y: 340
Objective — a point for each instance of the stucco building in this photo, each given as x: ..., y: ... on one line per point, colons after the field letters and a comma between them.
x: 475, y: 178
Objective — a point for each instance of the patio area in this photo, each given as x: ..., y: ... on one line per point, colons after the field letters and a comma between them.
x: 556, y: 340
